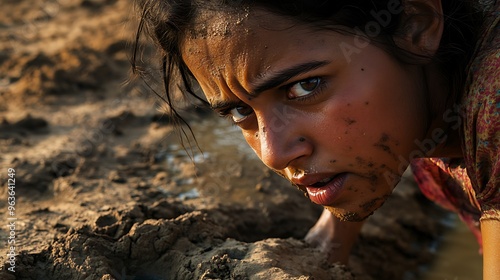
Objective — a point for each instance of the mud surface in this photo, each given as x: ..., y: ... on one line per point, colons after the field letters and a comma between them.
x: 105, y: 191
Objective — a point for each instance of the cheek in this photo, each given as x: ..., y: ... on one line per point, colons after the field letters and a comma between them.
x: 385, y: 117
x: 368, y: 136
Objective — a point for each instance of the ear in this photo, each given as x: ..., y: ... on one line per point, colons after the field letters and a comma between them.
x: 422, y: 27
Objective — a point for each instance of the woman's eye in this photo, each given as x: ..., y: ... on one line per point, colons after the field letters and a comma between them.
x: 304, y: 87
x: 240, y: 113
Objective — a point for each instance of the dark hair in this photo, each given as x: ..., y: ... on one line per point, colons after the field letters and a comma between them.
x: 168, y: 21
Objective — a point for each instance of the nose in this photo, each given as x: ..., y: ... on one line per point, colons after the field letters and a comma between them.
x: 282, y: 140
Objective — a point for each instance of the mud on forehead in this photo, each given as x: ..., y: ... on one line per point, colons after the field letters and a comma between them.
x: 213, y: 26
x: 217, y: 22
x: 225, y: 22
x: 214, y: 33
x: 219, y: 39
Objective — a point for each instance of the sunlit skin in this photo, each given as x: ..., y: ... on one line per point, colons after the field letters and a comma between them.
x: 353, y: 118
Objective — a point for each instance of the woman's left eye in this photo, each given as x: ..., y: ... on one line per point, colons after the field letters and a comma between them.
x: 303, y: 88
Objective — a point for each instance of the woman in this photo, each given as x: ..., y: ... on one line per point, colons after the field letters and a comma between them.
x: 339, y: 97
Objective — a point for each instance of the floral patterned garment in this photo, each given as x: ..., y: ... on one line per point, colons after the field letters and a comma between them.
x: 474, y: 191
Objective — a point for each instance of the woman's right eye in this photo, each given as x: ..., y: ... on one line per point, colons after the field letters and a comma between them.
x: 239, y: 113
x: 304, y: 88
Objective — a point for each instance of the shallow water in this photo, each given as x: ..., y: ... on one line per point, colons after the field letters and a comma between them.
x: 218, y: 153
x: 456, y: 256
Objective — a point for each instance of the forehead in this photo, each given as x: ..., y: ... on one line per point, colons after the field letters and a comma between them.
x: 213, y: 22
x: 230, y: 49
x: 212, y: 34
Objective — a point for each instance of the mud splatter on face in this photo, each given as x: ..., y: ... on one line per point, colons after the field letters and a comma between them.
x: 384, y: 138
x: 360, y: 161
x: 349, y: 121
x: 383, y: 144
x: 222, y: 23
x: 346, y: 216
x: 374, y: 202
x: 364, y: 163
x: 351, y: 217
x: 373, y: 178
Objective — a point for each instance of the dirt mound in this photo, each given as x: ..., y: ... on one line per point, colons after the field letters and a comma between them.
x: 194, y: 245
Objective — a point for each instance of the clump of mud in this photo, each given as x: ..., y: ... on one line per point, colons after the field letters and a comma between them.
x: 187, y: 244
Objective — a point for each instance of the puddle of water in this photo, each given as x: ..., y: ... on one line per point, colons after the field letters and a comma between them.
x: 223, y: 138
x: 457, y: 256
x: 229, y: 169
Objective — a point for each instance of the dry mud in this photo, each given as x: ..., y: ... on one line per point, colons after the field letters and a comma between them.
x: 104, y: 191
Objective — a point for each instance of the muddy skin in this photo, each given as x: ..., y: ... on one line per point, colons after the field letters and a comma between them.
x: 374, y: 173
x: 384, y: 145
x: 227, y: 22
x: 349, y: 121
x: 373, y: 177
x: 361, y: 162
x: 347, y: 216
x: 376, y: 201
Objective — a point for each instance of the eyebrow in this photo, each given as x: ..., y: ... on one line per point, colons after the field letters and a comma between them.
x: 221, y: 105
x: 271, y: 80
x: 274, y: 79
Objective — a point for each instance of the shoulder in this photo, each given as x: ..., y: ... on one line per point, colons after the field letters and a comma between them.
x: 481, y: 106
x: 481, y: 102
x: 486, y: 61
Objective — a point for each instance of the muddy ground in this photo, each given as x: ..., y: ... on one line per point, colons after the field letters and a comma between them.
x: 104, y: 190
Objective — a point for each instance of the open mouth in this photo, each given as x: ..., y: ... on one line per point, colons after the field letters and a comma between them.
x: 326, y: 191
x: 323, y: 182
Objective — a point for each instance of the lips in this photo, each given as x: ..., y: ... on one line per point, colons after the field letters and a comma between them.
x: 323, y: 189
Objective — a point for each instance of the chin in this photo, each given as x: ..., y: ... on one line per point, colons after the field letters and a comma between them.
x: 346, y: 216
x: 360, y: 214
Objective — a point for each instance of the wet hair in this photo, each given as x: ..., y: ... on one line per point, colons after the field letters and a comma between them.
x: 167, y: 22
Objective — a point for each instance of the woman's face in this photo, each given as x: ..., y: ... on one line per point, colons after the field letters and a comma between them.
x: 331, y: 113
